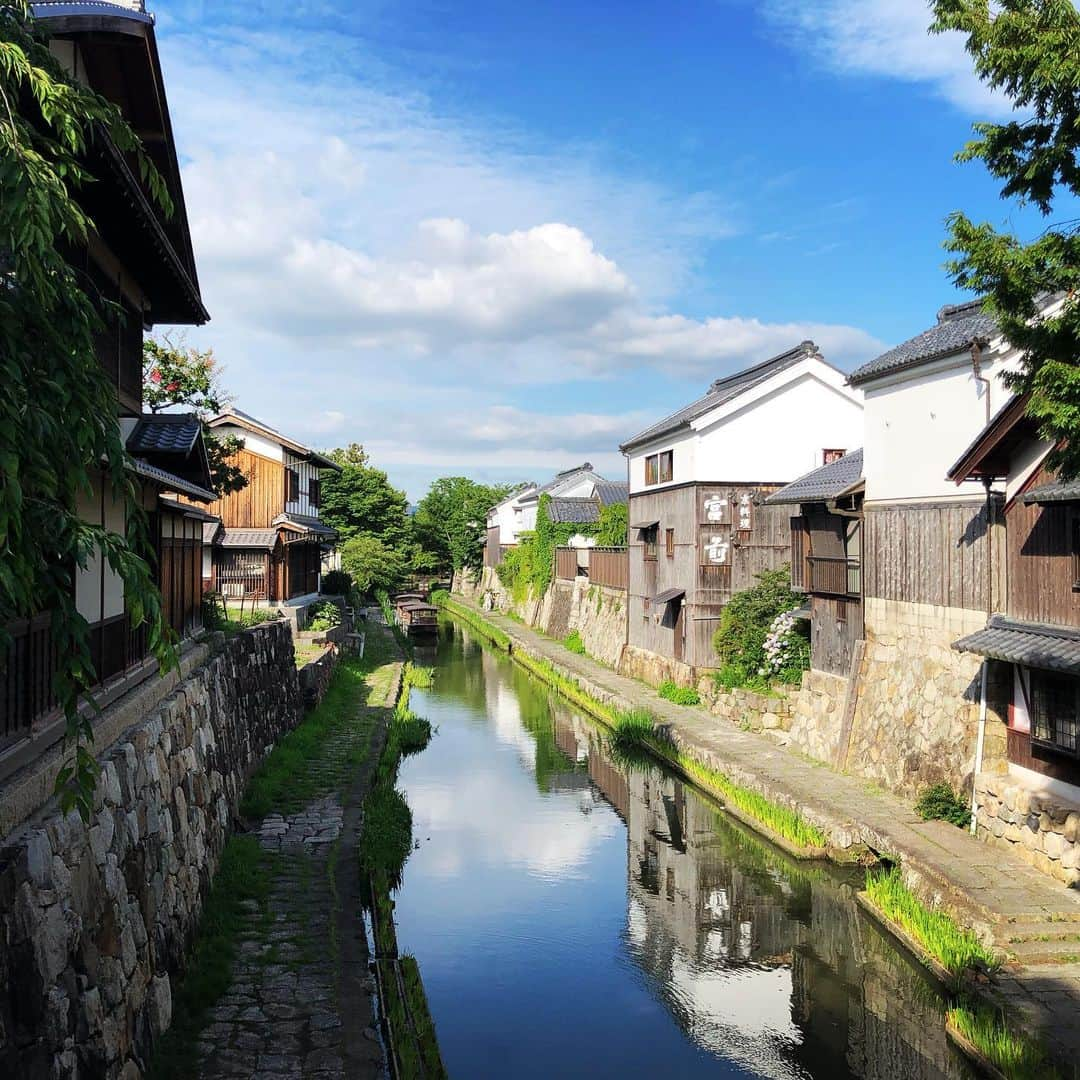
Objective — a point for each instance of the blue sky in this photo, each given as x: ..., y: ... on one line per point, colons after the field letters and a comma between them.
x: 497, y: 239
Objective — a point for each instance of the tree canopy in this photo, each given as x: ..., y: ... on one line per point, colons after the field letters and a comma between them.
x: 1030, y: 51
x: 360, y: 500
x: 58, y: 430
x: 450, y: 519
x: 177, y: 376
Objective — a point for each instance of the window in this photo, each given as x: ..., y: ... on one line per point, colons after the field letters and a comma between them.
x: 652, y: 469
x: 667, y: 465
x: 829, y: 456
x: 1054, y: 703
x: 292, y: 485
x: 669, y: 543
x: 650, y: 536
x: 313, y: 491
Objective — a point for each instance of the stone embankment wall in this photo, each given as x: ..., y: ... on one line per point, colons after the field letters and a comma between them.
x: 746, y: 708
x: 596, y: 612
x: 315, y: 677
x: 96, y: 918
x: 1040, y: 828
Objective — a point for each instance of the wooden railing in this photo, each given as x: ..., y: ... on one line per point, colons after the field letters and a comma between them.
x: 610, y: 566
x: 834, y: 576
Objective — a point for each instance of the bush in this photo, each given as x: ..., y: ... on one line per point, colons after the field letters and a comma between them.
x: 336, y: 583
x: 574, y: 643
x: 680, y: 695
x: 749, y: 622
x: 940, y: 803
x: 323, y: 616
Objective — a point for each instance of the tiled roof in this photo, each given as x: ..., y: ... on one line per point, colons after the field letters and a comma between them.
x: 828, y: 482
x: 303, y: 523
x: 165, y: 433
x: 957, y: 328
x: 187, y: 510
x: 723, y: 391
x: 242, y: 419
x: 1058, y: 491
x: 610, y: 492
x: 264, y: 539
x: 582, y: 511
x: 171, y: 482
x: 209, y: 530
x: 1036, y: 645
x: 561, y: 481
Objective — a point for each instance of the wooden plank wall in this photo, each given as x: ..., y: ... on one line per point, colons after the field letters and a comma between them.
x: 933, y: 553
x: 261, y: 501
x: 1039, y: 544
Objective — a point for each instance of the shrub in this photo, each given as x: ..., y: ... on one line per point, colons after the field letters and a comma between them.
x: 745, y: 626
x: 787, y: 649
x: 680, y: 695
x: 336, y: 583
x: 940, y: 803
x: 574, y: 643
x: 323, y: 616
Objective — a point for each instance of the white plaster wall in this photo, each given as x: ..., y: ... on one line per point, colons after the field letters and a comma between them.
x: 918, y: 423
x: 88, y: 580
x: 1024, y: 464
x: 257, y: 444
x: 116, y: 522
x: 512, y: 518
x: 772, y: 434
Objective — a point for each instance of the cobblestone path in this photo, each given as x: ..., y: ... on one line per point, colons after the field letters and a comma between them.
x: 301, y: 1003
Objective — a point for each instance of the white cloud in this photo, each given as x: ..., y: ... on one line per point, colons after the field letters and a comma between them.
x: 889, y: 38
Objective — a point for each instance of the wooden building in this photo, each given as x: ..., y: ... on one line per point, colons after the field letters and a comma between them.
x: 1035, y: 634
x: 826, y: 557
x: 700, y: 526
x: 141, y: 260
x: 269, y: 543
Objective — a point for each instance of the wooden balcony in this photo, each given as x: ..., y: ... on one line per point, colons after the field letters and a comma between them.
x: 833, y: 576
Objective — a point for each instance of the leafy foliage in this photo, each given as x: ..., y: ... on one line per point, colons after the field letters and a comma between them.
x: 336, y: 583
x: 745, y: 625
x: 940, y: 803
x: 58, y: 430
x: 372, y: 564
x: 574, y: 643
x: 1012, y: 1052
x: 680, y: 695
x: 449, y: 520
x: 174, y: 375
x: 324, y: 616
x: 611, y: 531
x: 1030, y: 51
x: 361, y: 501
x: 528, y: 566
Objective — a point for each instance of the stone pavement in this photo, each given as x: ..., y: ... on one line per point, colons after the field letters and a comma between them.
x: 986, y: 886
x: 302, y: 1000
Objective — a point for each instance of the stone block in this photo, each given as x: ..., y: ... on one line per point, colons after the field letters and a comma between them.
x: 1071, y: 829
x: 1053, y: 844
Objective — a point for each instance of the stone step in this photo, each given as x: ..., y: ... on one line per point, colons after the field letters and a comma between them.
x: 1048, y: 930
x: 1056, y: 951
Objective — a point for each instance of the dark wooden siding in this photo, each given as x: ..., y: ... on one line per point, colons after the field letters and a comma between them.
x: 1039, y: 542
x: 933, y: 553
x: 256, y: 506
x: 836, y: 624
x: 492, y: 549
x: 609, y: 566
x: 1056, y: 766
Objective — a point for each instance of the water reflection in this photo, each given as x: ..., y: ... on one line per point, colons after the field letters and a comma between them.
x: 575, y: 917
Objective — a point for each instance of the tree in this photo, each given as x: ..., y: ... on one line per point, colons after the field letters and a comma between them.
x: 360, y: 500
x: 58, y: 430
x: 372, y: 564
x: 450, y: 519
x: 174, y: 375
x: 1029, y: 50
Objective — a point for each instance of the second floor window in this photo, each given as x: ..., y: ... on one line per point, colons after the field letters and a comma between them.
x: 667, y: 465
x: 649, y: 537
x: 313, y: 491
x: 292, y: 485
x: 659, y: 468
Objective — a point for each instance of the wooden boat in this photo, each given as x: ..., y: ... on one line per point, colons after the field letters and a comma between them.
x: 417, y: 617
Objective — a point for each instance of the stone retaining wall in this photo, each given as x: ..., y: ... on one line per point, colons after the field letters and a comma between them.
x: 315, y: 677
x: 1040, y: 828
x: 97, y: 918
x: 817, y: 718
x: 755, y: 712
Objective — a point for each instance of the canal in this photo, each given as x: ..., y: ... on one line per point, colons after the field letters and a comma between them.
x: 577, y: 917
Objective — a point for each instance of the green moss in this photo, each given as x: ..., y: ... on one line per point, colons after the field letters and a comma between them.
x: 1014, y: 1053
x: 955, y: 948
x: 244, y: 876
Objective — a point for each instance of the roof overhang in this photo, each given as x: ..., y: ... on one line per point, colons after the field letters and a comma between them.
x: 990, y: 453
x: 304, y: 526
x: 186, y: 509
x: 247, y: 539
x: 644, y: 525
x: 1036, y: 645
x: 170, y: 482
x: 249, y: 423
x: 669, y: 596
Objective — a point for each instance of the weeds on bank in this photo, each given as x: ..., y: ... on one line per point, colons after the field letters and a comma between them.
x: 954, y: 947
x: 940, y: 803
x: 243, y: 876
x: 679, y: 695
x: 574, y: 644
x: 638, y: 729
x: 497, y: 637
x: 1013, y: 1053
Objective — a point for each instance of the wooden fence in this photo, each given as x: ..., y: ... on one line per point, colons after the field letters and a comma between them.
x: 608, y: 566
x: 566, y: 563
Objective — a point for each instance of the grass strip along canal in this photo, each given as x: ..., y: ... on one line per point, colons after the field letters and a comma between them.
x: 960, y: 958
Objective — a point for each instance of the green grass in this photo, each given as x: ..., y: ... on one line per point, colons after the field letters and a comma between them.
x: 680, y: 695
x: 632, y: 730
x: 386, y: 841
x: 574, y: 643
x: 421, y: 1014
x: 955, y: 948
x: 244, y: 875
x: 1015, y: 1054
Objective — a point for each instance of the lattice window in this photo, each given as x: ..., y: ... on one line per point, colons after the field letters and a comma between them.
x: 1054, y: 704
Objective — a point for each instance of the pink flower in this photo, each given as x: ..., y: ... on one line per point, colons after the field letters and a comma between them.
x: 155, y: 376
x: 172, y: 386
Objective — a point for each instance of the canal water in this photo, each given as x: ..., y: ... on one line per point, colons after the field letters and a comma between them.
x: 572, y: 917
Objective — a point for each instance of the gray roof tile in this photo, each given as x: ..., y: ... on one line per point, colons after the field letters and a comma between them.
x: 583, y: 511
x: 247, y: 538
x: 827, y: 482
x: 722, y: 391
x: 1058, y: 491
x: 165, y: 433
x: 171, y: 482
x: 610, y: 492
x: 304, y: 523
x: 957, y: 328
x: 1050, y: 648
